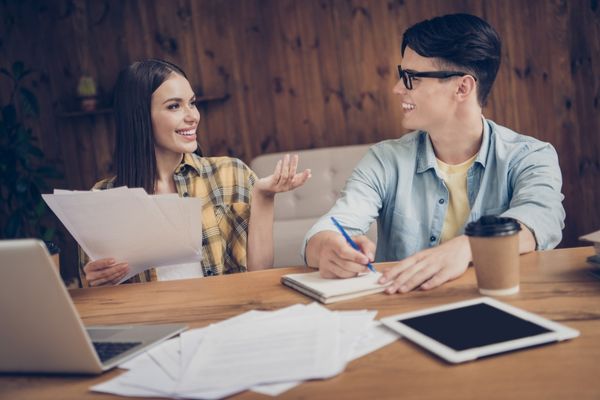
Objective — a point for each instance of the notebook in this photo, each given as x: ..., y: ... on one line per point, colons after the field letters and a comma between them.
x: 331, y: 290
x: 41, y: 330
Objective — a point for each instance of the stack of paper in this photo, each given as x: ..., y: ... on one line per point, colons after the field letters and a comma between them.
x: 131, y: 226
x: 267, y: 352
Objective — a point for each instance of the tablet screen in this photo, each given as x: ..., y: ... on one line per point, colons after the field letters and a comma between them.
x: 473, y: 326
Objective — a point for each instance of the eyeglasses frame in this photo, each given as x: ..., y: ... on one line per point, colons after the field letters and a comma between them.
x: 407, y: 76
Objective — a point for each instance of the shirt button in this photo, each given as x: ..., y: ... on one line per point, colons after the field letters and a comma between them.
x: 441, y: 201
x: 432, y: 239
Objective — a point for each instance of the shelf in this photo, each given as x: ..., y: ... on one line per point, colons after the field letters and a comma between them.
x: 109, y: 110
x: 81, y: 113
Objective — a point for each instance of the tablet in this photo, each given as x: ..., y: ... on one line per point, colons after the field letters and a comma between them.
x: 472, y: 329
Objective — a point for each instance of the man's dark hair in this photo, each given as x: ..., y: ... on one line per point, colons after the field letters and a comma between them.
x: 460, y: 41
x: 135, y: 159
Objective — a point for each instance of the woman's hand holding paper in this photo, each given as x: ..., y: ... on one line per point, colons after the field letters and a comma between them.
x: 105, y: 271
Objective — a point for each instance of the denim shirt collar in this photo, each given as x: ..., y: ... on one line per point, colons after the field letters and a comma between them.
x: 485, y: 142
x: 426, y: 156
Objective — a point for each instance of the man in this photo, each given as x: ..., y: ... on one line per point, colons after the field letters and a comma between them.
x: 457, y: 166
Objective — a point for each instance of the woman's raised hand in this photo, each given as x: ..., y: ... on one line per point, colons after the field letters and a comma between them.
x: 284, y: 178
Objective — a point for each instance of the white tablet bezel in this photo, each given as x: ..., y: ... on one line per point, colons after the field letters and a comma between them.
x: 559, y: 332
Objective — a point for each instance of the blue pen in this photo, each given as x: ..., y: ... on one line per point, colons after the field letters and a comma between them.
x: 349, y: 240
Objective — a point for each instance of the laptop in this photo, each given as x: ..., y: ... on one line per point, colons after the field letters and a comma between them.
x: 41, y: 330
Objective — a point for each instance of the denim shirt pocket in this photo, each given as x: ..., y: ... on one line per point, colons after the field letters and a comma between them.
x: 495, y: 210
x: 491, y: 209
x: 406, y: 235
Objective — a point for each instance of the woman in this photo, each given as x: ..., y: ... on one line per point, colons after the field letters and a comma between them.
x: 156, y: 148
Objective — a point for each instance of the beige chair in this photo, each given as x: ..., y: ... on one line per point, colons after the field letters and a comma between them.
x: 297, y: 211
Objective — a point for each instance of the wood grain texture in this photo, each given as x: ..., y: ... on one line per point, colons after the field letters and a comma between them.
x: 555, y: 284
x: 306, y: 74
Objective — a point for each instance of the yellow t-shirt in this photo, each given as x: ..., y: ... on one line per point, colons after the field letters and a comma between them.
x: 455, y: 178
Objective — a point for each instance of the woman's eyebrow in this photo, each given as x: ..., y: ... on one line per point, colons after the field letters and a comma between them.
x: 172, y: 99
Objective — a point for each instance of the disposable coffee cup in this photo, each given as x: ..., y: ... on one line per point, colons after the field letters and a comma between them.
x: 495, y: 248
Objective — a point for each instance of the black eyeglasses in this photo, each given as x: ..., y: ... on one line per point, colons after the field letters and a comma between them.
x: 407, y: 76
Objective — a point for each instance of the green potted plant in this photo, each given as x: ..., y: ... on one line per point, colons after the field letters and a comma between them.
x: 86, y: 89
x: 24, y: 174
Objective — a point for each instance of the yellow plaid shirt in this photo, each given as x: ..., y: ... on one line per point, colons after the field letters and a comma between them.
x: 225, y: 186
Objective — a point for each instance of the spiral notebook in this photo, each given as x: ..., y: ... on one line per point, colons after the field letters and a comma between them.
x: 331, y: 290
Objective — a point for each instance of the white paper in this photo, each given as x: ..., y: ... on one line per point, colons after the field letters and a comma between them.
x: 190, y: 340
x: 116, y: 386
x: 268, y: 352
x: 152, y: 381
x: 168, y: 356
x: 138, y: 361
x: 360, y: 336
x: 376, y: 337
x: 275, y: 389
x: 131, y: 226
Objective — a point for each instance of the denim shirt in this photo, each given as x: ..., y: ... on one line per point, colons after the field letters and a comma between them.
x: 398, y: 184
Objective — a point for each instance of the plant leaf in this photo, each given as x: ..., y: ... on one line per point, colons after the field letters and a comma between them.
x: 21, y: 186
x: 4, y: 71
x: 35, y: 151
x: 13, y: 226
x: 26, y: 72
x: 17, y: 69
x: 40, y: 208
x: 46, y: 170
x: 29, y: 102
x: 9, y: 115
x: 48, y: 234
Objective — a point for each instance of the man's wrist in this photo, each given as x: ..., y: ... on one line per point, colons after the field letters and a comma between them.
x: 316, y: 244
x: 467, y: 247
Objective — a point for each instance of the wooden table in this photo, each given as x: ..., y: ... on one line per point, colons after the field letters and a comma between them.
x: 555, y: 284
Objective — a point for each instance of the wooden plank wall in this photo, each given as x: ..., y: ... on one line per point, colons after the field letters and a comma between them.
x: 304, y: 74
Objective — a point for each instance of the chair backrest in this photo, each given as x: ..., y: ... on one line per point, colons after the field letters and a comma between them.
x: 297, y: 211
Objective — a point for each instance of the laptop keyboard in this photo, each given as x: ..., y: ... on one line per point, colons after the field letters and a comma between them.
x: 108, y: 350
